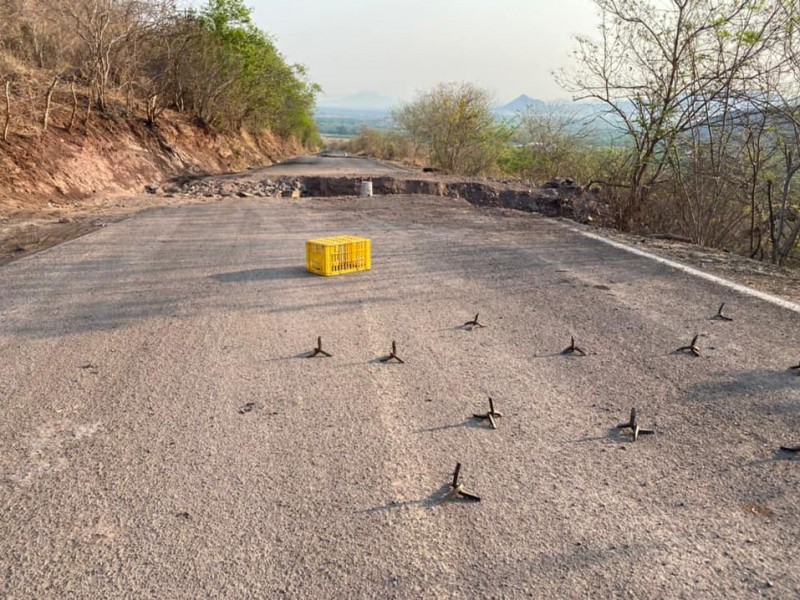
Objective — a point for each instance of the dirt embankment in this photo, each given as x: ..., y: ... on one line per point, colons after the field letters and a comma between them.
x: 58, y: 185
x: 113, y: 154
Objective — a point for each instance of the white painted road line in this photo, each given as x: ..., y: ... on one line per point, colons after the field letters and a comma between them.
x: 695, y: 272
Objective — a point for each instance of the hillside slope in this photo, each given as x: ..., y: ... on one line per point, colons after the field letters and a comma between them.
x: 116, y: 154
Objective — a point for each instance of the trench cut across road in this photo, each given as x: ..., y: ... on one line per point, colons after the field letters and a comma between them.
x: 161, y: 434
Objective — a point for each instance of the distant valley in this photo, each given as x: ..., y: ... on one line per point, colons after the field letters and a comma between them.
x: 346, y: 116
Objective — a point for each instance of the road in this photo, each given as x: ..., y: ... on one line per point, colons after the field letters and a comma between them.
x: 132, y: 463
x: 329, y: 165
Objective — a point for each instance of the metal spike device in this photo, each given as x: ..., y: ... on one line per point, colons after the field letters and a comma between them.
x: 318, y: 351
x: 491, y: 415
x: 720, y: 316
x: 393, y: 355
x: 633, y: 425
x: 692, y: 347
x: 457, y: 488
x: 473, y: 323
x: 572, y: 348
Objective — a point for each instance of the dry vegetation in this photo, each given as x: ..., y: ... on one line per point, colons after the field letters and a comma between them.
x: 111, y: 94
x: 702, y: 98
x: 142, y: 57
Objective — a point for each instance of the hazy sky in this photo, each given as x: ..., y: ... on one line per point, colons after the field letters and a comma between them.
x: 398, y: 47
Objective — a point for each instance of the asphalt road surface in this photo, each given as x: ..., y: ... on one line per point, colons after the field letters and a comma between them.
x: 330, y: 165
x: 161, y: 435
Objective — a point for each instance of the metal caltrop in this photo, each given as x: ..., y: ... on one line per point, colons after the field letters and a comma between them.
x: 318, y: 351
x: 633, y: 425
x: 473, y: 323
x: 692, y: 347
x: 393, y: 355
x: 490, y: 416
x: 457, y: 488
x: 573, y: 349
x: 720, y: 316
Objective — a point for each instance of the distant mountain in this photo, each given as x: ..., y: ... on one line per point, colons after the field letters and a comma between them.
x: 567, y: 108
x: 520, y: 104
x: 591, y: 119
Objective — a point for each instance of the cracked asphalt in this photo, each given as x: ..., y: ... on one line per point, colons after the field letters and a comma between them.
x: 162, y: 436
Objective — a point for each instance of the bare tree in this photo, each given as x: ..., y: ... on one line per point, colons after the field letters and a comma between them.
x: 7, y: 124
x: 658, y: 67
x: 785, y: 218
x: 48, y: 104
x: 105, y: 26
x: 775, y: 116
x: 74, y: 112
x: 33, y: 30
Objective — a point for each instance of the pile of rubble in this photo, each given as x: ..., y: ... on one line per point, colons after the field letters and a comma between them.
x: 282, y: 188
x: 557, y: 198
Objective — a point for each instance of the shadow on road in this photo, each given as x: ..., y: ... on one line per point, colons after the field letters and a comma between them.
x: 293, y: 272
x: 613, y: 434
x: 757, y: 385
x: 470, y: 423
x: 778, y: 455
x: 437, y: 498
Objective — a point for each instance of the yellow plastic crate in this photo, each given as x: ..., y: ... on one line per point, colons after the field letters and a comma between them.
x: 338, y: 255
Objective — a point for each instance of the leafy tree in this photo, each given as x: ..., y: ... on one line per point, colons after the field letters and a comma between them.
x: 236, y: 77
x: 387, y: 145
x: 548, y: 145
x: 455, y: 124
